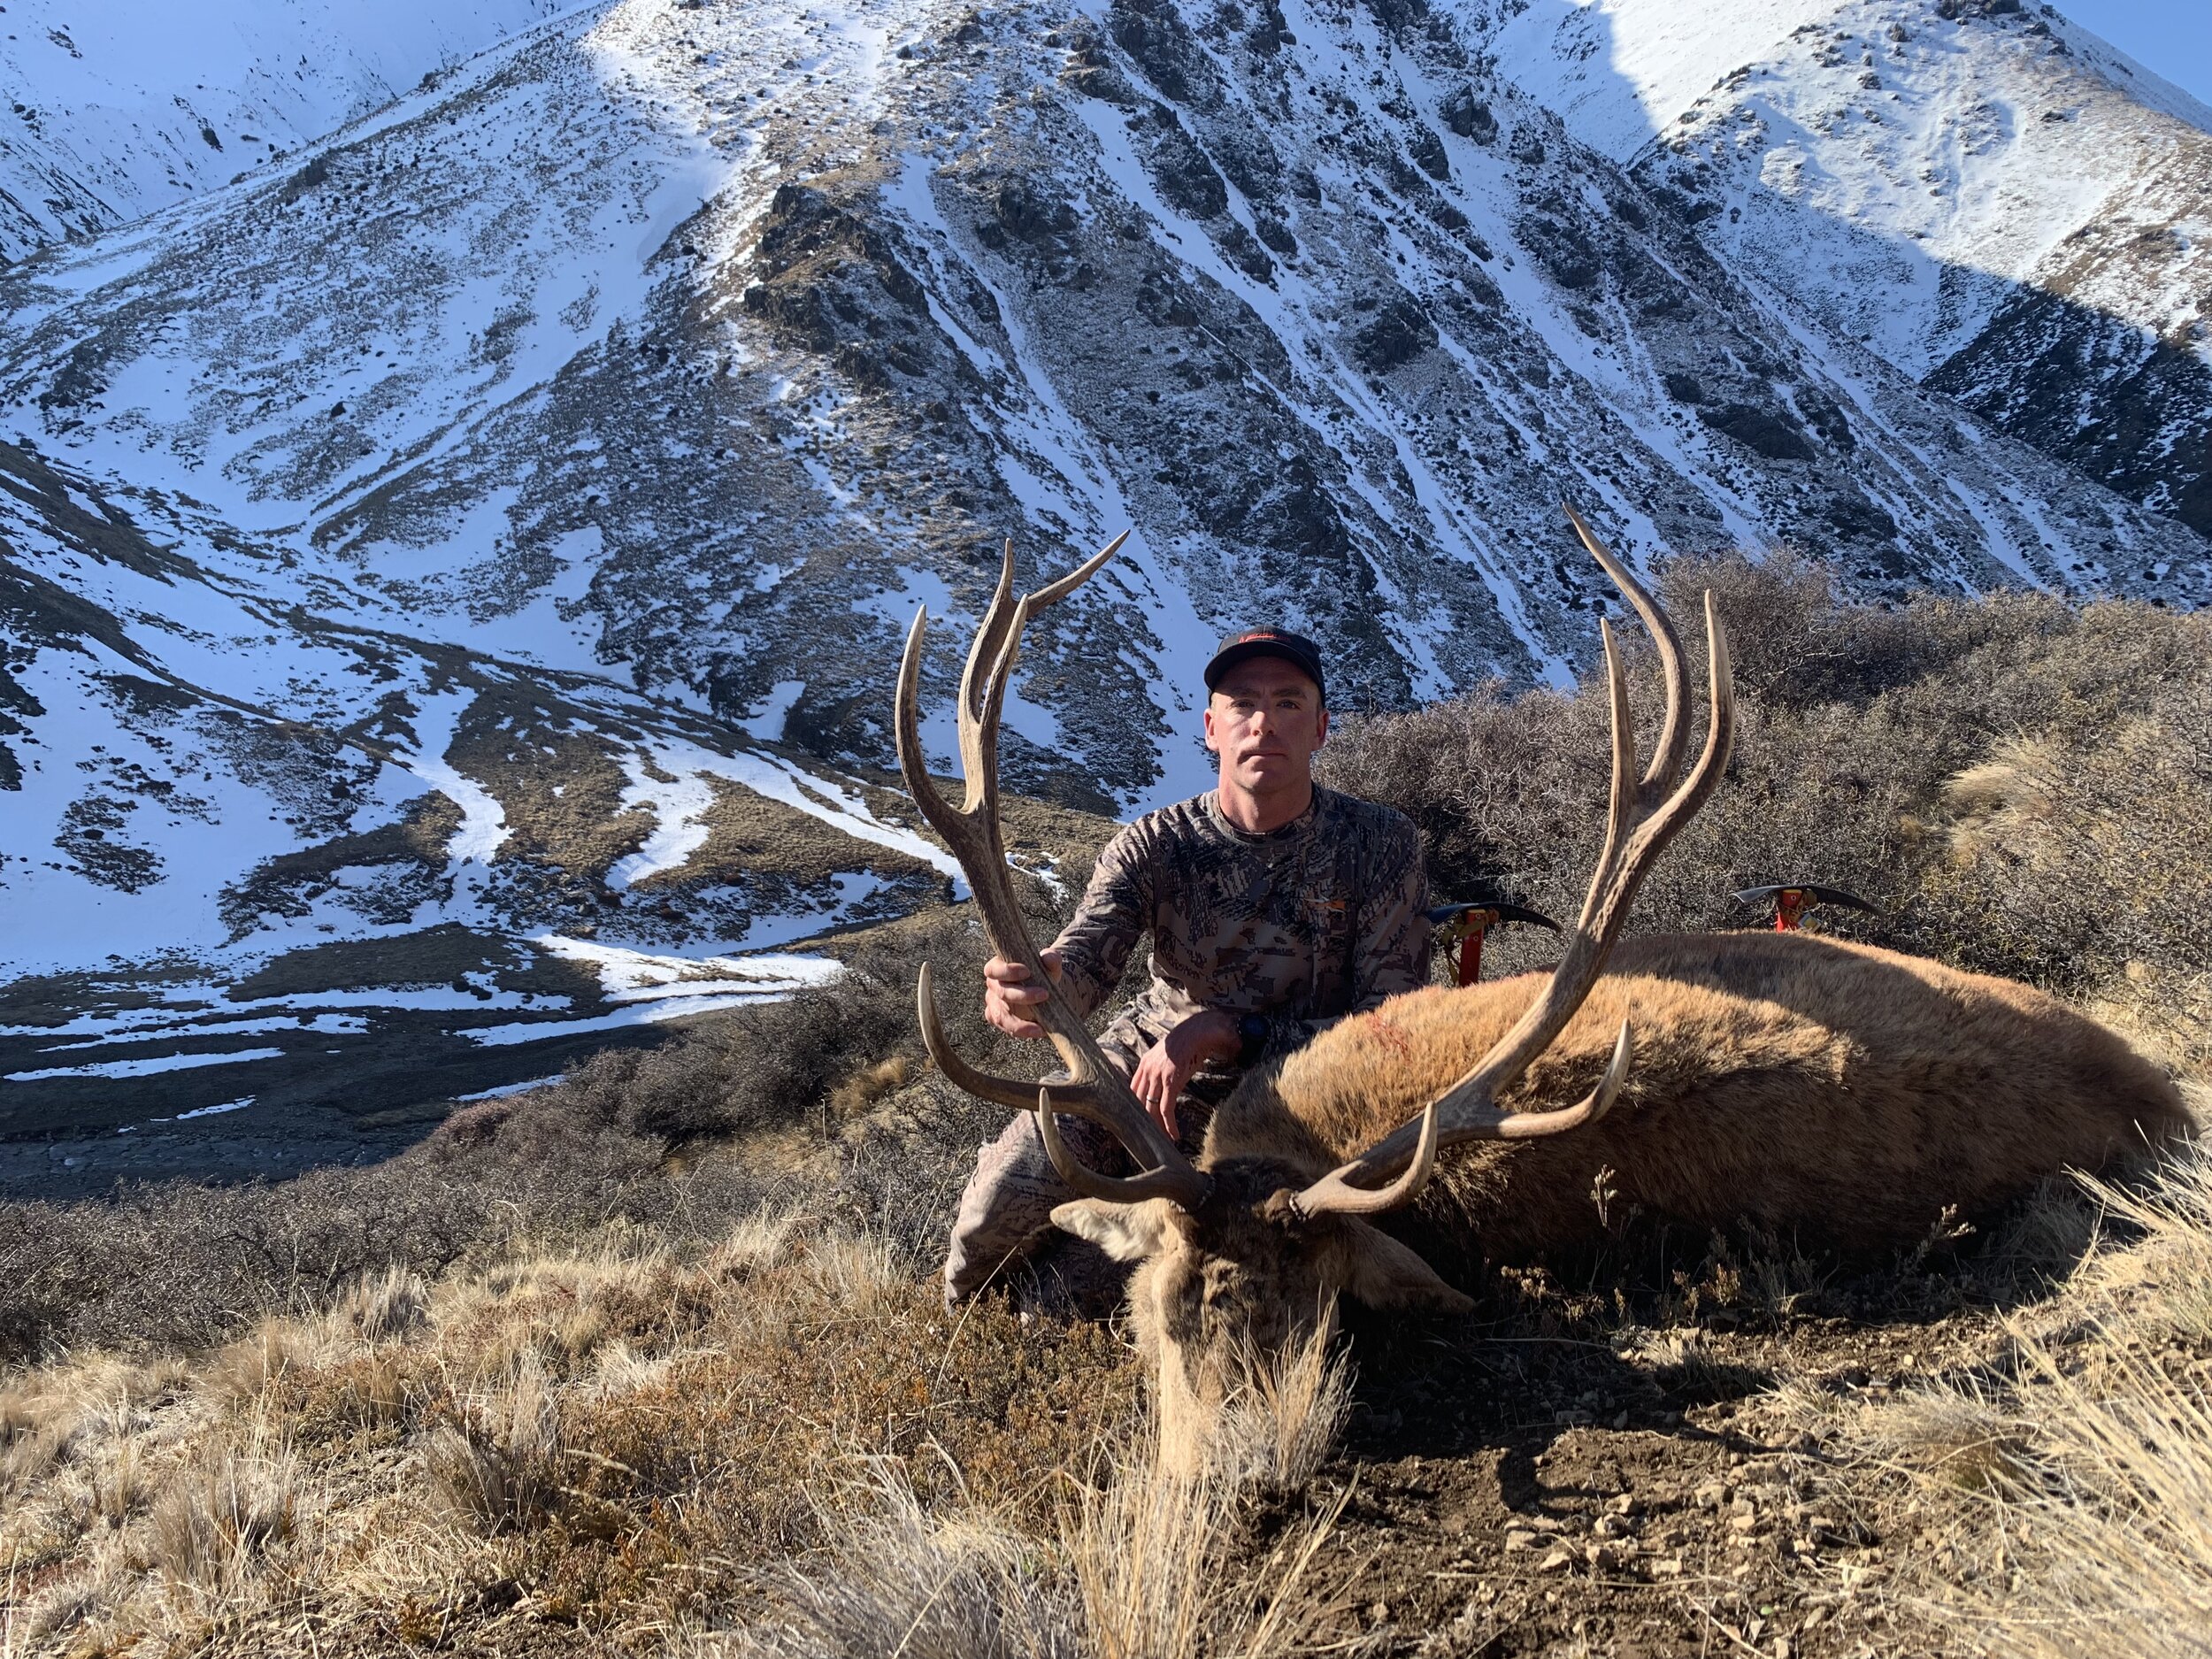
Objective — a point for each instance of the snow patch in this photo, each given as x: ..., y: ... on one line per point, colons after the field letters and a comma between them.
x: 768, y: 724
x: 506, y: 1089
x: 210, y: 1112
x: 148, y: 1067
x: 483, y: 820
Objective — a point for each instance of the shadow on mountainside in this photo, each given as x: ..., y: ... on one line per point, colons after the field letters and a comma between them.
x: 2127, y: 407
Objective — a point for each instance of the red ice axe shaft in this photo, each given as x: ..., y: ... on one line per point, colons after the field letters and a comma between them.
x: 1466, y: 923
x: 1791, y: 902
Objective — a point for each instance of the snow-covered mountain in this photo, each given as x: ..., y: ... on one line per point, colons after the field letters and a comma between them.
x: 1980, y: 192
x: 724, y: 326
x: 245, y: 835
x: 117, y: 110
x: 555, y: 455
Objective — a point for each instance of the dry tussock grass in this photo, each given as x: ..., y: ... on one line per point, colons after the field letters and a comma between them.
x: 212, y: 1526
x: 499, y: 1465
x: 1134, y: 1564
x: 623, y: 1442
x: 2057, y: 1494
x: 2123, y: 1537
x: 902, y: 1579
x: 1282, y: 1421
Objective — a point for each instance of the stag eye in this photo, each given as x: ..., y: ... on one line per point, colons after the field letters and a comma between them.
x: 1228, y: 1288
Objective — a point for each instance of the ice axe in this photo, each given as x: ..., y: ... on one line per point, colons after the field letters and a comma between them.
x: 1791, y: 902
x: 1466, y: 923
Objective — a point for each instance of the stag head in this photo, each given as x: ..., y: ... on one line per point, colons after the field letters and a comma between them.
x: 1241, y: 1258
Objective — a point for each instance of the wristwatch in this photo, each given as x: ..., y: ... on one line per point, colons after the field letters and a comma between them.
x: 1252, y: 1034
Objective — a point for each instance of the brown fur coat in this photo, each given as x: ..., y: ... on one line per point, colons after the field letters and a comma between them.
x: 1839, y: 1093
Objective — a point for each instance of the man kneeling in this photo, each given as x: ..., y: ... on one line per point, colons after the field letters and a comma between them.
x: 1276, y: 907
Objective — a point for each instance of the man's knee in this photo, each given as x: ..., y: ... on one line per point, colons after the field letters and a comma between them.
x: 1007, y: 1205
x: 1006, y: 1209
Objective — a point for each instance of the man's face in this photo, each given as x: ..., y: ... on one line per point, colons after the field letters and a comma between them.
x: 1265, y: 719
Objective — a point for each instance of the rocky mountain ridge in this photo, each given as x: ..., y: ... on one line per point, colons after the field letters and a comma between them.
x: 1980, y: 192
x: 684, y: 304
x: 555, y: 457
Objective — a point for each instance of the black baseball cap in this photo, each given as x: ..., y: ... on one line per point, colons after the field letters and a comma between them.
x: 1292, y: 648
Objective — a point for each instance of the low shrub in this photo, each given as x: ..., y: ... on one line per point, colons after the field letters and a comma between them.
x: 179, y: 1265
x: 2019, y: 783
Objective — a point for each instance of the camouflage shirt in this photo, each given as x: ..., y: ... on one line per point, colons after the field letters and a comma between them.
x: 1305, y: 925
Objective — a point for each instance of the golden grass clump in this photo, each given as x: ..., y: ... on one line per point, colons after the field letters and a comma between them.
x: 2059, y: 1494
x: 950, y: 1583
x: 1137, y: 1563
x: 214, y: 1524
x: 870, y: 1085
x: 1145, y: 1544
x: 2164, y: 1279
x: 1282, y: 1420
x: 496, y: 1464
x: 2113, y: 1519
x: 384, y: 1306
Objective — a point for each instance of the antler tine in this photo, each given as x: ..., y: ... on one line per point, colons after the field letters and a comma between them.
x: 1620, y: 870
x: 1612, y: 891
x: 1674, y: 732
x: 996, y: 645
x: 971, y: 831
x: 991, y: 632
x: 1052, y: 593
x: 1712, y: 761
x: 1468, y: 1109
x: 906, y: 725
x: 988, y: 655
x: 1166, y: 1182
x: 1621, y: 801
x: 1333, y: 1194
x: 999, y: 1091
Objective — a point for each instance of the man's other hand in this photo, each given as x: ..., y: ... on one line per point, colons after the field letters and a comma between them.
x: 1007, y: 995
x: 1167, y: 1065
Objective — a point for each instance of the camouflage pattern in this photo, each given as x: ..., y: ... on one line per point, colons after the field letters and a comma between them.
x: 1303, y: 926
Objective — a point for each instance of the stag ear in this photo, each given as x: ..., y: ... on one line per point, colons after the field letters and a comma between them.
x: 1384, y: 1273
x: 1128, y: 1232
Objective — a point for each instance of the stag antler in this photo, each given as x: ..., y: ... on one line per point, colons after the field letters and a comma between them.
x: 1638, y: 826
x: 1094, y: 1088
